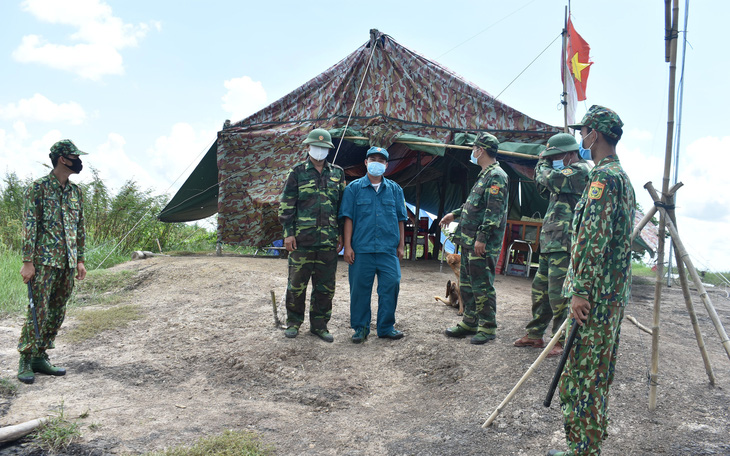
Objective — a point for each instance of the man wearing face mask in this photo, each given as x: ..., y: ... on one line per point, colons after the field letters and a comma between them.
x: 482, y: 221
x: 561, y: 176
x: 598, y: 284
x: 374, y: 213
x: 54, y: 239
x: 308, y: 212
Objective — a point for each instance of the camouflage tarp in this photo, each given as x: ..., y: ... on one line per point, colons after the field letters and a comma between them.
x: 402, y: 93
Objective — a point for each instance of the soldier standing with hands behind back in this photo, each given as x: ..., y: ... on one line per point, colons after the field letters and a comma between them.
x: 308, y: 212
x: 482, y: 221
x: 53, y: 248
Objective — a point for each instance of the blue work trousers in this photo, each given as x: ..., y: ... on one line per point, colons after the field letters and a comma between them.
x: 362, y: 274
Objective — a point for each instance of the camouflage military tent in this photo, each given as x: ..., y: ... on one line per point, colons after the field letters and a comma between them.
x: 402, y: 101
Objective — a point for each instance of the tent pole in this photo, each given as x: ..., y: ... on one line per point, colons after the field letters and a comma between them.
x: 442, y: 208
x: 417, y: 215
x: 672, y: 40
x: 449, y: 146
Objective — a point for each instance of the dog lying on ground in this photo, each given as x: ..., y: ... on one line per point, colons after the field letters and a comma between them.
x: 453, y: 294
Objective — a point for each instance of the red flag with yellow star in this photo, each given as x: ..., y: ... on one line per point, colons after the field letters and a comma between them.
x: 578, y: 61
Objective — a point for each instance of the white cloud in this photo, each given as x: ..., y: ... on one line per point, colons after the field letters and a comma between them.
x: 27, y: 157
x: 245, y: 96
x: 175, y: 155
x: 636, y: 134
x: 99, y: 37
x: 40, y: 108
x: 702, y: 169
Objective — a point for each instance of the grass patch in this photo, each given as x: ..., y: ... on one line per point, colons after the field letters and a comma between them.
x: 230, y: 443
x: 8, y: 388
x: 92, y: 322
x: 13, y: 292
x: 102, y: 287
x: 641, y: 270
x: 56, y: 433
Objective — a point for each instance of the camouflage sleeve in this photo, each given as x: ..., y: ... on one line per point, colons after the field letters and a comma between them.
x: 81, y: 232
x: 457, y: 212
x: 571, y: 179
x: 288, y: 204
x: 496, y: 196
x: 341, y: 221
x: 594, y: 232
x: 32, y: 210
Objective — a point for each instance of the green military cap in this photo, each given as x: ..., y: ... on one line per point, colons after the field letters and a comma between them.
x: 377, y: 150
x: 560, y: 144
x: 487, y: 141
x: 65, y: 147
x: 319, y: 137
x: 602, y: 119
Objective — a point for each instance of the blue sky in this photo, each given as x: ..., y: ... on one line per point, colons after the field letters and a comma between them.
x: 145, y: 85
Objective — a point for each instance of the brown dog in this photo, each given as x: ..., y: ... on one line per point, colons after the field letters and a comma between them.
x: 453, y: 294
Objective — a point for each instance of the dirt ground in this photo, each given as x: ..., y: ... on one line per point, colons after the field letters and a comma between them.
x: 206, y: 358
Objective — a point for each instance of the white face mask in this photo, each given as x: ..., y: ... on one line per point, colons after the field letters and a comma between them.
x: 318, y: 153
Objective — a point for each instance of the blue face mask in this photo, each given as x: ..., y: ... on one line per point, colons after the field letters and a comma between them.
x: 376, y: 168
x: 474, y: 159
x: 584, y: 153
x: 558, y: 164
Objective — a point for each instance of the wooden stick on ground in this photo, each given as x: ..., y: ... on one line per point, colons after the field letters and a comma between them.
x: 638, y: 325
x: 17, y: 431
x: 527, y: 374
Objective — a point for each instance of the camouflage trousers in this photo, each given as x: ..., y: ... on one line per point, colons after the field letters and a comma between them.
x: 476, y: 283
x: 548, y: 302
x: 51, y: 290
x: 587, y: 377
x: 321, y: 267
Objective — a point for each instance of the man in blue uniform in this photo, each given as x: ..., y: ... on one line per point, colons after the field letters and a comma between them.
x: 374, y: 212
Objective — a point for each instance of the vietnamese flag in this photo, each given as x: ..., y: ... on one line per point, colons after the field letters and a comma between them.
x: 578, y: 60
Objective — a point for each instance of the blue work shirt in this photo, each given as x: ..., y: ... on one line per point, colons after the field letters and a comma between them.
x: 374, y: 216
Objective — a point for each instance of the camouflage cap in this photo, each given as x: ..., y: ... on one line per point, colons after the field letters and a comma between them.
x: 602, y: 119
x: 65, y: 147
x: 487, y: 142
x: 377, y: 150
x: 319, y: 137
x: 560, y: 144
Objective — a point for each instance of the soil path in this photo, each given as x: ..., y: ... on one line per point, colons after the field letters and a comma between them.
x: 206, y: 358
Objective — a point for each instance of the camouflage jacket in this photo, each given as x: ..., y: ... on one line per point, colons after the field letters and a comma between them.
x: 600, y: 263
x: 310, y: 203
x: 53, y: 232
x: 564, y: 187
x: 483, y: 217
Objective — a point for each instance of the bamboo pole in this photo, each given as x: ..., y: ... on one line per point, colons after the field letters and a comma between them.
x: 688, y: 298
x: 684, y: 256
x: 527, y: 374
x: 449, y: 146
x: 648, y: 216
x: 653, y: 375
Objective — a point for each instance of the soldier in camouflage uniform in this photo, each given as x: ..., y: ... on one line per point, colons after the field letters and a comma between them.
x: 308, y: 212
x: 482, y: 221
x: 53, y: 248
x: 598, y: 284
x: 561, y: 175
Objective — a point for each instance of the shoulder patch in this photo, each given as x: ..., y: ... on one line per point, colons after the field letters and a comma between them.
x: 568, y: 171
x: 494, y: 189
x: 595, y: 191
